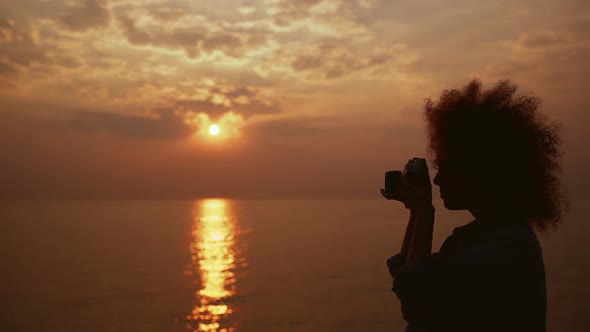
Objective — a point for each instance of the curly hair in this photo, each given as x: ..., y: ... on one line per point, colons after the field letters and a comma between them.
x: 504, y: 144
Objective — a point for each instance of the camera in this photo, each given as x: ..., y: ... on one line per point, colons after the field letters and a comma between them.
x: 415, y: 170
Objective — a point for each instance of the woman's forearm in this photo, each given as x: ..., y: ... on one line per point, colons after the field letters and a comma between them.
x: 408, y: 237
x: 421, y: 244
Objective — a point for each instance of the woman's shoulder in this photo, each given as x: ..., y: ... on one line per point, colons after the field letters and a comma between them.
x: 498, y: 242
x: 495, y: 231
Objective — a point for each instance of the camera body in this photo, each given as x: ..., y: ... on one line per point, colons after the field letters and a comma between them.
x: 415, y: 170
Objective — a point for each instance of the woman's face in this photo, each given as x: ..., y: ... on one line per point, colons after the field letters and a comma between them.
x: 458, y: 192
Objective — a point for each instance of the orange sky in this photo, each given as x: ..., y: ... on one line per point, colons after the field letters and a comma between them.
x: 113, y: 99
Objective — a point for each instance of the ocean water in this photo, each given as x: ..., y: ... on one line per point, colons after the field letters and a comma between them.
x: 234, y: 265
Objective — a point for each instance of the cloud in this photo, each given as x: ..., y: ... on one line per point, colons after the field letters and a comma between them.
x: 543, y: 39
x: 8, y: 70
x: 134, y: 35
x: 290, y: 128
x: 90, y: 14
x: 329, y: 14
x: 254, y: 106
x: 200, y: 106
x: 167, y: 14
x: 219, y: 100
x: 17, y: 44
x: 180, y: 38
x: 193, y: 39
x: 332, y: 60
x: 67, y: 62
x: 23, y: 51
x: 165, y: 125
x: 510, y: 68
x: 288, y: 11
x: 228, y: 44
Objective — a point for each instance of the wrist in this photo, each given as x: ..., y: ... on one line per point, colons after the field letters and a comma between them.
x: 423, y: 208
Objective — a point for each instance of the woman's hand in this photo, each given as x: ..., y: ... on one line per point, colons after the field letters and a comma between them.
x: 411, y: 194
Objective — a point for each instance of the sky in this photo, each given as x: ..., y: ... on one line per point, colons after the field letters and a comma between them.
x: 113, y: 99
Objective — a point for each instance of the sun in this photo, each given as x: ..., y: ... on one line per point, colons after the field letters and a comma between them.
x: 214, y: 130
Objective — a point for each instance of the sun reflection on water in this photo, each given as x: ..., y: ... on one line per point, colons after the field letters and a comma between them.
x: 214, y: 257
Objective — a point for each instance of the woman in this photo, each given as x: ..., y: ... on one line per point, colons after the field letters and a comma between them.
x: 497, y: 157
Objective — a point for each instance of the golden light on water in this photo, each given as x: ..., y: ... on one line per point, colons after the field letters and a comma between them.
x: 214, y: 257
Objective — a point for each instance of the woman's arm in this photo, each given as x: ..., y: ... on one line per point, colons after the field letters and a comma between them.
x: 397, y: 261
x: 420, y: 246
x: 408, y: 237
x: 417, y: 242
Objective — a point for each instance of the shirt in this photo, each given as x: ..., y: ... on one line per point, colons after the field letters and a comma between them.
x: 485, y: 277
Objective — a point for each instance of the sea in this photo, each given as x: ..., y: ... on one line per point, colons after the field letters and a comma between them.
x: 235, y: 265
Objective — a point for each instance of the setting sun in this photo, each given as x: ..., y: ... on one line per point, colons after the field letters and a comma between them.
x: 214, y: 130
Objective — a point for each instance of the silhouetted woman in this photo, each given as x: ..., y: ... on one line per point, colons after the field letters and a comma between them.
x: 497, y: 157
